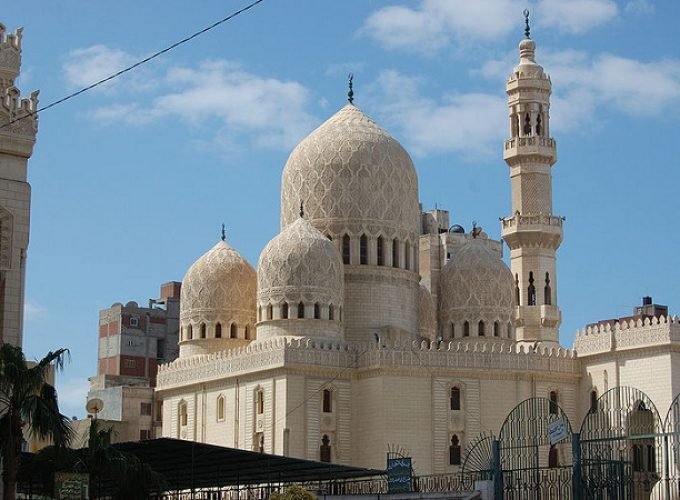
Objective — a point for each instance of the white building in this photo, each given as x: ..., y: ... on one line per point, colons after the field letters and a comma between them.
x: 370, y: 326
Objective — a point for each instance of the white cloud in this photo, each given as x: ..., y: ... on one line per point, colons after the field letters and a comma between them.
x: 268, y: 112
x: 89, y: 65
x: 72, y: 394
x: 575, y: 16
x: 472, y: 124
x: 34, y: 312
x: 639, y: 7
x: 435, y: 24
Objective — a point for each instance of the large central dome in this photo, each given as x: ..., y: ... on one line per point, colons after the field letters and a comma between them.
x: 352, y: 176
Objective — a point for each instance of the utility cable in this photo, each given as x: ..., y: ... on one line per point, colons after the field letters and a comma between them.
x: 135, y: 65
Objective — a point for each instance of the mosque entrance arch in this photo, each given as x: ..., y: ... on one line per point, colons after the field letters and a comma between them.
x: 622, y: 447
x: 535, y: 452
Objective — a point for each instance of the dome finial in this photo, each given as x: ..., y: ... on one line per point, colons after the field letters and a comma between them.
x: 527, y: 30
x: 475, y: 230
x: 302, y: 209
x: 224, y: 232
x: 350, y: 94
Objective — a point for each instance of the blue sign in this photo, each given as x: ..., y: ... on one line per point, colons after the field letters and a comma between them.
x: 399, y: 475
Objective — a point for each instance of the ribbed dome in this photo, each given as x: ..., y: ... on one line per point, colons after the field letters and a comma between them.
x: 300, y: 264
x: 219, y: 288
x: 353, y: 176
x: 427, y: 326
x: 476, y: 285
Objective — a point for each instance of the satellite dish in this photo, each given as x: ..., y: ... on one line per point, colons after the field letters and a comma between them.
x: 94, y: 405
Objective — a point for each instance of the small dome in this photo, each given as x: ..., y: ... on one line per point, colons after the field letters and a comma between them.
x: 300, y: 265
x: 457, y: 228
x: 218, y: 297
x: 427, y: 325
x: 353, y: 176
x: 476, y: 286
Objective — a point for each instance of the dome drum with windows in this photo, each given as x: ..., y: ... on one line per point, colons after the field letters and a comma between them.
x: 217, y: 308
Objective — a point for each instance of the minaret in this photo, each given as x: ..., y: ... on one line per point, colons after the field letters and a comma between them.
x: 532, y: 232
x: 18, y: 127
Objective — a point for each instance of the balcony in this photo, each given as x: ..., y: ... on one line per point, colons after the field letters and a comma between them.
x: 535, y: 145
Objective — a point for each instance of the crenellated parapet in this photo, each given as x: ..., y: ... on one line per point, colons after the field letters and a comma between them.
x: 418, y: 358
x: 18, y: 118
x: 630, y: 334
x: 10, y: 56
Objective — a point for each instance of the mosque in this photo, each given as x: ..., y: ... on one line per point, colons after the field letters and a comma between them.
x: 371, y: 326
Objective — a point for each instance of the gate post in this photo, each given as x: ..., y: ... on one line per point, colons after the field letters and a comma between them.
x: 576, y: 474
x: 497, y: 470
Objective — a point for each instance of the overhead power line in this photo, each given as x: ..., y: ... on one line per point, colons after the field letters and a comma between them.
x: 137, y: 64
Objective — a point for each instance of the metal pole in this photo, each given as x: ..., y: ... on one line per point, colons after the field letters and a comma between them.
x: 576, y: 466
x: 497, y: 471
x: 666, y: 467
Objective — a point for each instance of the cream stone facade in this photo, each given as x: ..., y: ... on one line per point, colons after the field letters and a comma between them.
x: 370, y: 325
x: 18, y: 128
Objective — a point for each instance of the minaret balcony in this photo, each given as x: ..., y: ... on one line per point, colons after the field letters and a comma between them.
x: 545, y: 147
x: 533, y: 229
x: 547, y: 316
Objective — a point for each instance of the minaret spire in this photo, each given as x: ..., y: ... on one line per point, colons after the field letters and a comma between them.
x: 224, y: 232
x: 533, y: 232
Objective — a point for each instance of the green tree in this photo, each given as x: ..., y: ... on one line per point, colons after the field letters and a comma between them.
x: 293, y: 493
x: 27, y: 399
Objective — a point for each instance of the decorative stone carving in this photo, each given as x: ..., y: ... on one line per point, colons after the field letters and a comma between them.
x: 476, y: 286
x: 6, y: 232
x: 300, y: 264
x: 352, y: 176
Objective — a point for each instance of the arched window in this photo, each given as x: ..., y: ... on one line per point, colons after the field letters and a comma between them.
x: 259, y: 313
x: 203, y: 330
x: 190, y: 332
x: 395, y: 253
x: 331, y: 312
x: 248, y: 332
x: 454, y: 400
x: 407, y: 256
x: 539, y: 125
x: 454, y: 451
x: 327, y: 406
x: 453, y: 330
x: 317, y: 311
x: 218, y: 331
x: 284, y: 310
x: 259, y: 401
x: 481, y: 329
x: 517, y: 294
x: 509, y: 330
x: 183, y: 414
x: 593, y: 401
x: 547, y: 293
x: 325, y: 449
x: 381, y: 251
x: 345, y: 249
x: 301, y: 310
x: 527, y: 125
x: 233, y: 331
x: 220, y: 407
x: 270, y: 311
x: 181, y: 333
x: 553, y: 457
x: 466, y: 329
x: 363, y: 249
x: 496, y: 329
x: 553, y: 403
x: 531, y: 291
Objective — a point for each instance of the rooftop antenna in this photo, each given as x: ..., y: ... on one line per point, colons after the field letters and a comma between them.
x: 224, y: 232
x: 350, y: 94
x: 527, y: 30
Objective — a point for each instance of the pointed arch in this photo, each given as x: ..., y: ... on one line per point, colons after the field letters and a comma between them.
x: 454, y: 451
x: 220, y: 410
x: 317, y: 310
x: 190, y: 332
x: 363, y: 249
x: 270, y: 311
x: 380, y: 243
x: 395, y: 252
x: 301, y: 310
x: 331, y: 312
x: 481, y: 328
x: 346, y: 249
x: 496, y: 329
x: 284, y: 310
x: 466, y: 329
x: 454, y: 398
x: 325, y: 449
x: 218, y: 330
x: 233, y: 331
x: 203, y: 330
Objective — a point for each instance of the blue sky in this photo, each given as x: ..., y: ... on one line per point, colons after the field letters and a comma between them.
x: 132, y: 181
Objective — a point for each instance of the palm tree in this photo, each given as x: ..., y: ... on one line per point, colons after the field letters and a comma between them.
x: 27, y: 399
